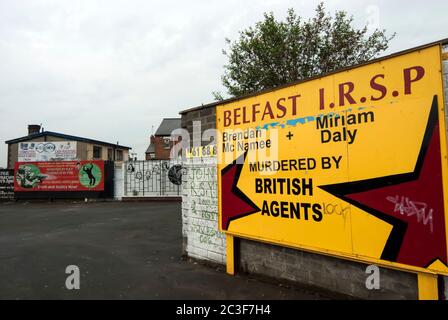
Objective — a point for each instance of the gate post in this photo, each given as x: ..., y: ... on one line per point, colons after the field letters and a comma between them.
x: 427, y: 286
x: 230, y: 254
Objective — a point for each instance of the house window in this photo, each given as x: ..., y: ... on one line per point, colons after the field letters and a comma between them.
x: 119, y: 156
x: 97, y: 151
x: 110, y: 154
x: 152, y: 155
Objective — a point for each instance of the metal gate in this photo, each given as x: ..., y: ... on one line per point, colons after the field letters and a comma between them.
x: 153, y: 178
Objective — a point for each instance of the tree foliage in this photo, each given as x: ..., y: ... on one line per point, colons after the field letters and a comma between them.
x: 278, y: 52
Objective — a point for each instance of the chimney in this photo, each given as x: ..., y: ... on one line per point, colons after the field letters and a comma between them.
x: 33, y: 129
x: 152, y: 139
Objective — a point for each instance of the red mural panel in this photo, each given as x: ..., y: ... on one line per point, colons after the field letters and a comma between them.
x: 59, y: 176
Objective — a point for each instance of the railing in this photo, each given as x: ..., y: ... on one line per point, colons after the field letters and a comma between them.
x: 152, y: 178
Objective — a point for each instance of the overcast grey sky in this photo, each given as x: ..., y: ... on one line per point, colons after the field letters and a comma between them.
x: 112, y: 69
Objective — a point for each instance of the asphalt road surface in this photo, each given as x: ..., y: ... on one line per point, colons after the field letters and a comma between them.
x: 123, y: 251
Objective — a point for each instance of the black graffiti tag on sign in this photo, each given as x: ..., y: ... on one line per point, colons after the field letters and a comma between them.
x: 6, y: 184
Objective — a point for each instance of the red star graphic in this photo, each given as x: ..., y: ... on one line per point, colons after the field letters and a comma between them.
x: 412, y: 203
x: 235, y: 204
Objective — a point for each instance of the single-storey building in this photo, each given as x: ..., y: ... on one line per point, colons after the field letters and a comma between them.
x: 41, y: 145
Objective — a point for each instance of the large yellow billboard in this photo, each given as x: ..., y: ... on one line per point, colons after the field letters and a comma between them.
x: 352, y: 164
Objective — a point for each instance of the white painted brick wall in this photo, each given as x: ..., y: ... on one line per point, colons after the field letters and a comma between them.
x: 200, y: 211
x: 119, y: 182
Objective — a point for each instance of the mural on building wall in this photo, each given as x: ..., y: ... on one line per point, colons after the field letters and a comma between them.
x: 6, y: 184
x: 59, y: 176
x: 348, y: 164
x: 47, y: 151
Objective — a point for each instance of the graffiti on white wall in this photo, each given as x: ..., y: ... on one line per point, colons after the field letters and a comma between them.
x: 200, y: 211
